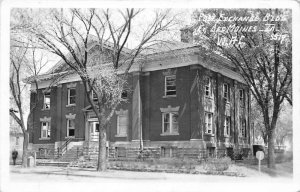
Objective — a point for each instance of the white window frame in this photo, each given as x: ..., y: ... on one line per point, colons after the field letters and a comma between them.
x: 208, y: 122
x: 68, y: 127
x: 227, y: 125
x: 69, y: 90
x: 226, y: 92
x: 95, y: 99
x: 243, y: 127
x: 122, y: 113
x: 47, y: 130
x: 166, y: 86
x: 242, y: 97
x: 47, y: 103
x: 124, y: 132
x: 208, y: 87
x: 125, y: 92
x: 17, y: 140
x: 171, y: 122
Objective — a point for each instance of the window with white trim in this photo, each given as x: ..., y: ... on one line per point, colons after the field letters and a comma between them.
x: 124, y: 94
x: 70, y: 127
x: 242, y: 128
x: 170, y: 123
x: 94, y: 96
x: 226, y: 92
x: 71, y: 96
x: 242, y: 98
x: 170, y: 85
x: 46, y: 100
x: 17, y: 140
x: 227, y: 126
x: 208, y: 122
x: 45, y: 130
x: 122, y: 125
x: 208, y: 86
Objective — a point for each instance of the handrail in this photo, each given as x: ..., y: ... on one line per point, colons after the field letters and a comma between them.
x: 64, y: 147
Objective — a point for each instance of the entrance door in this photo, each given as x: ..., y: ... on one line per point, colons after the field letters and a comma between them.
x: 94, y: 131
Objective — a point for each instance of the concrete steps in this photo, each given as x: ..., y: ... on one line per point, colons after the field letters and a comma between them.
x: 72, y: 154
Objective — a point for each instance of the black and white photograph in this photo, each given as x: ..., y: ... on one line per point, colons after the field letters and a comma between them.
x: 140, y: 96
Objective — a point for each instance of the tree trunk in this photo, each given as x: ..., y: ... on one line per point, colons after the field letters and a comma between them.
x: 101, y: 165
x: 25, y: 149
x: 271, y: 145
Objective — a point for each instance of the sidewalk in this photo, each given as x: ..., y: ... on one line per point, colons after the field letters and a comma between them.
x: 87, y: 172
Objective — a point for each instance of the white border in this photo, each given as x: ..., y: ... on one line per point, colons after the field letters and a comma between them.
x: 6, y: 185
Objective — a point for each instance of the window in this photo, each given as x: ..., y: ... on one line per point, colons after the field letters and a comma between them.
x: 46, y: 100
x: 70, y: 128
x: 124, y: 94
x: 168, y: 151
x: 242, y: 128
x: 45, y: 130
x: 94, y: 96
x: 227, y: 126
x: 208, y: 87
x: 170, y: 123
x: 71, y: 96
x: 226, y: 92
x: 17, y: 140
x: 122, y: 124
x: 170, y: 85
x: 208, y: 122
x: 211, y: 151
x: 242, y: 97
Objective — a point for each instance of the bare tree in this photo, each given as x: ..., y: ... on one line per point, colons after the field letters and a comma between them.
x: 26, y: 63
x: 72, y: 33
x: 261, y: 49
x: 23, y: 63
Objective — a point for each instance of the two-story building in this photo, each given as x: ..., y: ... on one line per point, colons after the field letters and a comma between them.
x: 180, y: 100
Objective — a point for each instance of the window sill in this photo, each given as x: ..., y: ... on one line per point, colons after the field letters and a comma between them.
x: 44, y: 138
x: 209, y: 134
x: 169, y: 134
x: 168, y: 96
x: 44, y: 109
x: 70, y: 105
x: 120, y: 135
x: 70, y: 137
x: 226, y: 136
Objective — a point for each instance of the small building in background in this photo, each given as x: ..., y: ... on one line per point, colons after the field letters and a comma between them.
x: 16, y: 140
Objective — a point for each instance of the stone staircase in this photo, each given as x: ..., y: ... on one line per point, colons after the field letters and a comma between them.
x: 71, y: 154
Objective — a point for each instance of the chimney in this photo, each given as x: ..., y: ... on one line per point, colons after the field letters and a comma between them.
x: 186, y: 35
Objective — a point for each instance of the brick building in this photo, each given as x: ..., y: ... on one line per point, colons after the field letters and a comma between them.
x: 181, y: 99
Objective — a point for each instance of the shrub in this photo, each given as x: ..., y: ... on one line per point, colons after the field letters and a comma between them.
x: 220, y: 164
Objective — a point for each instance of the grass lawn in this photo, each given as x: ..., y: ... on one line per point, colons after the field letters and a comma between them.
x: 282, y: 169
